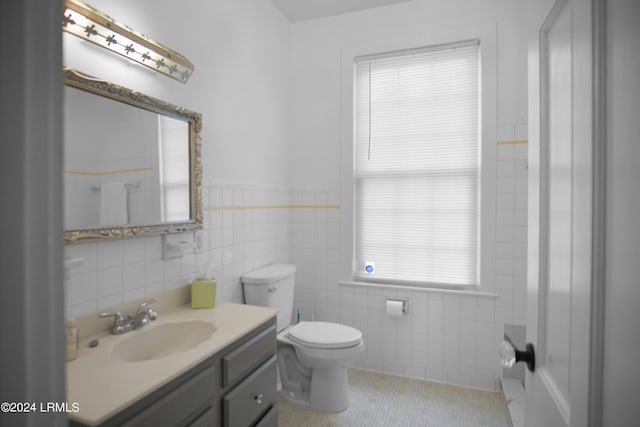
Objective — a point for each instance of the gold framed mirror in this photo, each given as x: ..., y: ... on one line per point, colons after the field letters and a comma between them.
x: 132, y: 163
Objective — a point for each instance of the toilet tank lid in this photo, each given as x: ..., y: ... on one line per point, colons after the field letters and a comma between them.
x: 268, y: 274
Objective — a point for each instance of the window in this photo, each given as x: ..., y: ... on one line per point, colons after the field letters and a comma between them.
x: 416, y: 166
x: 174, y: 170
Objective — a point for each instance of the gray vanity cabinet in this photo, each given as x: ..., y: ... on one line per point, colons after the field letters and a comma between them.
x: 235, y: 387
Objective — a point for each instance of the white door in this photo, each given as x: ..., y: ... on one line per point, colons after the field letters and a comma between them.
x: 562, y: 215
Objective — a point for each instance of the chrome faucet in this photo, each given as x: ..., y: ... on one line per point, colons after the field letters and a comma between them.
x: 142, y: 316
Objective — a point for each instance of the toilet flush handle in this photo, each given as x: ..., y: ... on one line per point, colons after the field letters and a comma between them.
x: 272, y: 290
x: 258, y: 398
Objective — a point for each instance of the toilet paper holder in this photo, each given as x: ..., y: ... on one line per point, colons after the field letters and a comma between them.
x: 405, y: 303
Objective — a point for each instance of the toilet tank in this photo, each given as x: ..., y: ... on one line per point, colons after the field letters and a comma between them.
x: 271, y: 286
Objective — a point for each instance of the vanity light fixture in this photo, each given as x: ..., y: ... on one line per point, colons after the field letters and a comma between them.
x: 90, y: 24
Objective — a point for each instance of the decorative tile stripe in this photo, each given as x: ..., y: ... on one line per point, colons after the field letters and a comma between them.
x: 116, y: 172
x: 244, y: 208
x: 513, y: 143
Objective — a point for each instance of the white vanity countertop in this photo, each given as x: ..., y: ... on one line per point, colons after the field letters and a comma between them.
x: 102, y: 386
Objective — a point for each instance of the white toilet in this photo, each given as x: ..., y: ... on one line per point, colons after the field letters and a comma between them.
x: 312, y: 356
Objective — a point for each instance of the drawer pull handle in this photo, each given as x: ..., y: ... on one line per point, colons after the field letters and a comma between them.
x: 258, y: 398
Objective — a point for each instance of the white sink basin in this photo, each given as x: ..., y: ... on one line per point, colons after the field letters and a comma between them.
x: 162, y: 340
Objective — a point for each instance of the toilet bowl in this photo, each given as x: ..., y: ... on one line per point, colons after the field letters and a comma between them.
x: 312, y: 356
x: 317, y: 376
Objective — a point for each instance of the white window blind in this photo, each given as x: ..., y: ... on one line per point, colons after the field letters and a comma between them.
x: 416, y: 166
x: 174, y: 166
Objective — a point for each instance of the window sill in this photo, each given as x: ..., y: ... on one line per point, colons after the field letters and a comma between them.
x: 472, y: 293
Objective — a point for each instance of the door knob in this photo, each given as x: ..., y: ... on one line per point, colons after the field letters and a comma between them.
x: 510, y: 355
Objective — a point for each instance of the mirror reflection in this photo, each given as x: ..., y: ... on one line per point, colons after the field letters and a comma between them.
x: 126, y: 166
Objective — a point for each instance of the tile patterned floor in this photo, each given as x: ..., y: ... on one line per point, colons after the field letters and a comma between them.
x: 389, y: 401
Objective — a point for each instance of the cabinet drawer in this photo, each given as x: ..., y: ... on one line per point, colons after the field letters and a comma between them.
x: 252, y: 397
x: 207, y: 419
x: 185, y: 399
x: 248, y: 355
x: 270, y: 419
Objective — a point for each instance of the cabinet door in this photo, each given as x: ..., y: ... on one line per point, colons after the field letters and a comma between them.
x: 252, y: 397
x: 173, y: 408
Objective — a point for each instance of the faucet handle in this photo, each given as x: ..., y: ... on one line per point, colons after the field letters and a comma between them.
x: 146, y: 303
x: 120, y: 325
x: 118, y: 318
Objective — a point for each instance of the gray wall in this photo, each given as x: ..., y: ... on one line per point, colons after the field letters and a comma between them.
x: 622, y: 290
x: 31, y: 288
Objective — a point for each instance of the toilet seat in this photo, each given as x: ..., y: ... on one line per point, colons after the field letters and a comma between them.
x: 324, y: 335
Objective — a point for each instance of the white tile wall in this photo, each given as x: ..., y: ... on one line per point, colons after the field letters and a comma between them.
x: 445, y: 338
x: 511, y: 224
x: 244, y: 227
